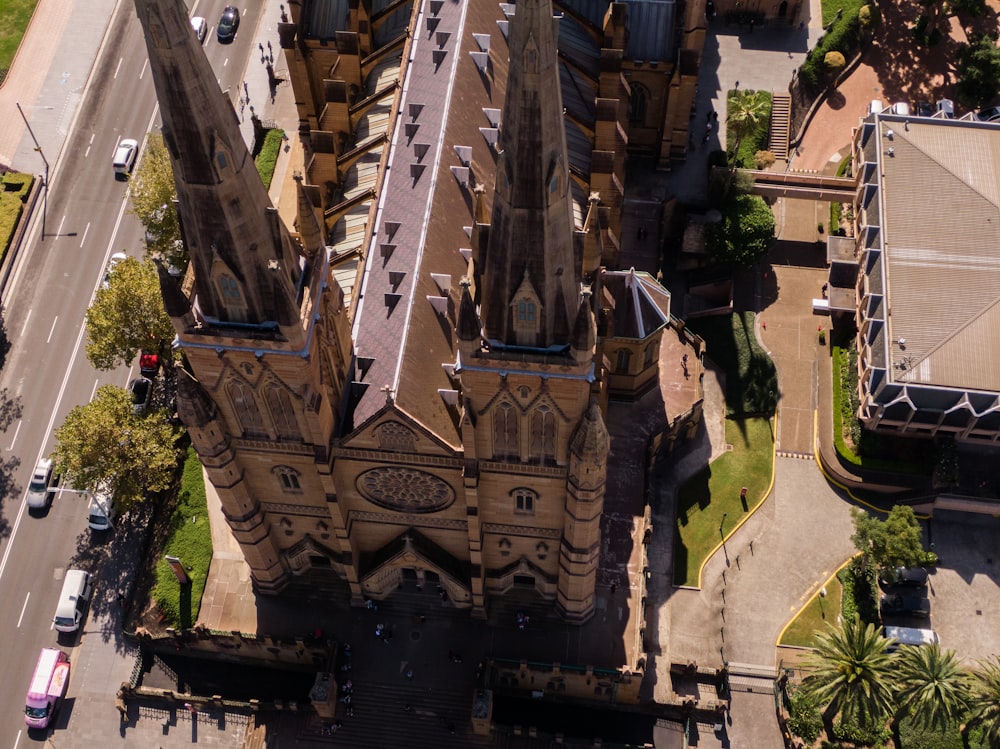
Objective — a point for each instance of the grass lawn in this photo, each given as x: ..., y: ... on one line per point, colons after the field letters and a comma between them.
x: 268, y: 156
x: 831, y: 8
x: 814, y: 616
x: 715, y: 490
x: 190, y: 540
x: 14, y: 17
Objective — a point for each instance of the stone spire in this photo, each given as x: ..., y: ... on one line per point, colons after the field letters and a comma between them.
x: 531, y: 271
x: 244, y: 260
x: 309, y: 227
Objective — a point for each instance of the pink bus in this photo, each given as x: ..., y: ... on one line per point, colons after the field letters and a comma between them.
x: 48, y: 686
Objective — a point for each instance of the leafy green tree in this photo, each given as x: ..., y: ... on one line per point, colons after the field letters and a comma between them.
x: 932, y: 687
x: 985, y: 702
x: 104, y: 445
x: 746, y: 111
x: 153, y: 193
x: 979, y: 71
x: 896, y: 541
x: 127, y: 316
x: 834, y: 62
x: 870, y: 17
x: 852, y: 674
x: 745, y: 232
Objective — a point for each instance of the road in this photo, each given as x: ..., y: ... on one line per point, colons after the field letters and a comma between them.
x: 46, y: 374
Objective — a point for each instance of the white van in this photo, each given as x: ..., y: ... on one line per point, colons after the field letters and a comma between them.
x: 101, y: 513
x: 75, y: 592
x: 910, y: 636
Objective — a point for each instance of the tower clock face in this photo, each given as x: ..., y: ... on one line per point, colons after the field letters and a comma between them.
x: 405, y: 489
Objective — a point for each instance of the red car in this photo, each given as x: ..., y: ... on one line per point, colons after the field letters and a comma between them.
x: 149, y: 364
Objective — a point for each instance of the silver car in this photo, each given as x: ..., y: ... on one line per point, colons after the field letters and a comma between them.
x: 38, y: 490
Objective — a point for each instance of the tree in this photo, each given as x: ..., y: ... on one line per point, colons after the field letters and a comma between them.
x: 852, y: 673
x: 745, y: 232
x: 979, y: 71
x: 870, y: 17
x: 932, y: 687
x: 745, y: 113
x: 127, y: 316
x: 105, y: 445
x: 985, y: 702
x: 153, y: 194
x: 896, y: 541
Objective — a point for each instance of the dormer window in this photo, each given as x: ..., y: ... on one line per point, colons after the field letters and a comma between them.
x: 232, y: 298
x: 526, y: 311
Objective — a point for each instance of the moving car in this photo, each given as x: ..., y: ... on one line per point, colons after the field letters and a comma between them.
x: 124, y: 159
x: 149, y: 365
x: 141, y: 388
x: 906, y: 577
x: 229, y: 23
x: 76, y: 589
x: 115, y: 259
x: 906, y: 604
x: 38, y: 490
x: 200, y: 26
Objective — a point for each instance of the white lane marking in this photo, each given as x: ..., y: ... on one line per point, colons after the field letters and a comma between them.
x: 118, y: 66
x: 87, y: 152
x: 85, y: 234
x: 53, y: 330
x: 144, y: 66
x: 225, y: 62
x: 18, y: 739
x: 91, y: 141
x: 16, y: 431
x: 59, y: 230
x: 93, y: 392
x: 23, y: 609
x: 25, y: 323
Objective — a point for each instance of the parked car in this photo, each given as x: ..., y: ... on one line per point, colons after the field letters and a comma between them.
x: 901, y: 108
x: 112, y: 262
x: 906, y: 604
x: 124, y: 159
x: 924, y: 109
x: 907, y: 577
x: 229, y: 24
x: 149, y: 365
x: 141, y: 388
x: 200, y: 26
x: 946, y: 107
x: 875, y: 106
x: 990, y: 114
x: 38, y: 490
x: 101, y: 512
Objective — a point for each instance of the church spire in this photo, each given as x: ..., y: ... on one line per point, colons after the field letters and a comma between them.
x: 246, y: 268
x: 530, y: 274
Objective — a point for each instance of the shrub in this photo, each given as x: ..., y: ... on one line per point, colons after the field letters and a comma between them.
x: 834, y: 62
x: 268, y: 155
x: 14, y: 189
x: 874, y: 736
x: 745, y: 232
x: 804, y: 717
x: 870, y: 16
x: 844, y: 37
x: 717, y: 158
x: 764, y: 159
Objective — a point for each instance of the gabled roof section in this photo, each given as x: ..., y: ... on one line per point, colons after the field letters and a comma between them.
x: 941, y: 238
x: 642, y: 305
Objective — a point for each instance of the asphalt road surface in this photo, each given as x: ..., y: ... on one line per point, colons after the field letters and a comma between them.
x: 83, y: 220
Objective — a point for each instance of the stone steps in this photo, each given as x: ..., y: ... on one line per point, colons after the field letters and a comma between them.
x: 781, y: 114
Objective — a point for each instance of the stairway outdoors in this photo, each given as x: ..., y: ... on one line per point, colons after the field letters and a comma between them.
x: 781, y: 117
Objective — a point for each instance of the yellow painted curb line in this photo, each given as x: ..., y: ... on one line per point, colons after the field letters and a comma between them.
x: 770, y: 488
x: 836, y: 483
x: 808, y: 603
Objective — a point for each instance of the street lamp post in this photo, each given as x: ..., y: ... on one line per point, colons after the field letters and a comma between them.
x: 723, y: 522
x: 38, y: 147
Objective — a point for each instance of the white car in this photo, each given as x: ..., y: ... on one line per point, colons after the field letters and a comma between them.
x: 101, y: 512
x: 946, y: 107
x: 38, y: 490
x: 901, y: 108
x: 112, y: 262
x: 124, y: 158
x: 200, y: 26
x: 991, y: 114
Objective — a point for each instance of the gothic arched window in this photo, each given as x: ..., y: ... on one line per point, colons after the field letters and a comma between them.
x: 622, y: 358
x: 543, y: 434
x: 505, y: 431
x: 289, y: 479
x: 638, y: 103
x: 524, y: 501
x: 282, y: 413
x: 246, y: 410
x: 232, y: 297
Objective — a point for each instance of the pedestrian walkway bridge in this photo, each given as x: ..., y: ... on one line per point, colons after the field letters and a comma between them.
x: 802, y: 186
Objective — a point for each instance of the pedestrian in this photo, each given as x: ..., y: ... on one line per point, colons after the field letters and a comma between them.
x: 350, y: 710
x: 269, y: 52
x: 379, y: 631
x: 121, y: 599
x: 409, y: 674
x: 260, y: 46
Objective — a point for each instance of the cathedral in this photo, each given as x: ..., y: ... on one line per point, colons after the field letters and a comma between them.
x: 410, y: 385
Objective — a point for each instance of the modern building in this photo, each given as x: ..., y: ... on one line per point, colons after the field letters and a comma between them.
x: 927, y: 219
x: 409, y: 387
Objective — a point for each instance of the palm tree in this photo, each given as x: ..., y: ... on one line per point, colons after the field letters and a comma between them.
x: 746, y: 111
x: 932, y: 687
x: 985, y: 702
x: 852, y: 673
